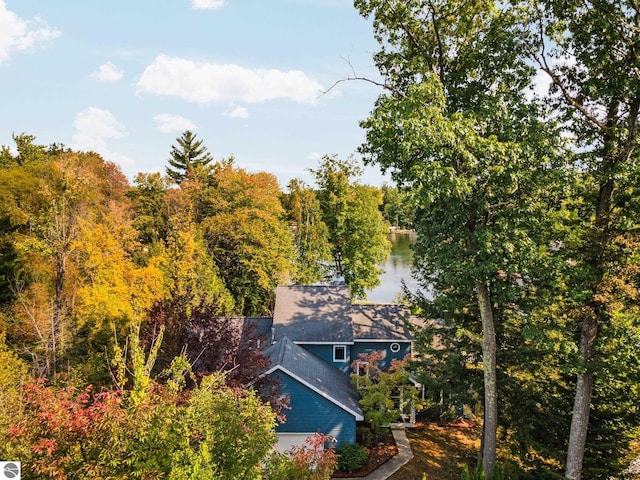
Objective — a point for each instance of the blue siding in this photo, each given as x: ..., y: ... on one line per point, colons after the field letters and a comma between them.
x: 385, y: 348
x: 310, y: 412
x: 325, y: 352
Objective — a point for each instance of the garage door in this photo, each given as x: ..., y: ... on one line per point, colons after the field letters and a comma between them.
x: 288, y: 440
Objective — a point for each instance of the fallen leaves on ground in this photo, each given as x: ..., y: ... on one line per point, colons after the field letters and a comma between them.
x: 440, y: 451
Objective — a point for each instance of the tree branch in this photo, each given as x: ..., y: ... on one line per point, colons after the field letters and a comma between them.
x: 438, y: 41
x: 355, y: 77
x: 541, y: 60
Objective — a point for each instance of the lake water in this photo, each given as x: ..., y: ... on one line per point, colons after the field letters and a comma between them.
x: 397, y: 268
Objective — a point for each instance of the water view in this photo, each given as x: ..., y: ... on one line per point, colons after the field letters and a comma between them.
x: 397, y: 269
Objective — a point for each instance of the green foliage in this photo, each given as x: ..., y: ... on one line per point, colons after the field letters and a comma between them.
x: 310, y: 233
x: 247, y: 236
x: 396, y: 207
x: 13, y: 374
x: 506, y: 211
x: 188, y: 157
x: 356, y: 229
x: 500, y: 472
x: 351, y: 457
x: 191, y: 274
x: 151, y: 207
x: 365, y: 436
x: 152, y: 430
x: 230, y: 433
x: 475, y: 181
x: 384, y: 395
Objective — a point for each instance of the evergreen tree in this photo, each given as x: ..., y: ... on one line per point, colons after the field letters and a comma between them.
x: 186, y: 156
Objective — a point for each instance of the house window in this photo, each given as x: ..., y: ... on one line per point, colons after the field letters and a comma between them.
x: 340, y: 353
x: 395, y: 347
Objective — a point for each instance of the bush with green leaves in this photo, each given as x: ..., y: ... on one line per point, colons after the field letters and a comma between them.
x: 365, y: 435
x: 142, y: 429
x: 351, y: 457
x: 385, y: 395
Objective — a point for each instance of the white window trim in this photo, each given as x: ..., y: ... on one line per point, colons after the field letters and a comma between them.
x: 346, y: 353
x: 394, y: 347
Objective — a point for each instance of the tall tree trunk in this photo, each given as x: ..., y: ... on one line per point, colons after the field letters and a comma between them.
x: 612, y: 156
x: 581, y: 406
x: 58, y: 311
x: 490, y: 424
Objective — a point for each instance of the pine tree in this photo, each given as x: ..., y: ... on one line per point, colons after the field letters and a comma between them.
x: 188, y: 155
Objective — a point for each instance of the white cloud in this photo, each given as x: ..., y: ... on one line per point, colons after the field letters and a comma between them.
x: 539, y: 86
x: 315, y: 156
x: 207, y: 4
x: 18, y: 35
x: 201, y: 82
x: 173, y: 123
x: 107, y: 72
x: 237, y: 112
x: 94, y: 126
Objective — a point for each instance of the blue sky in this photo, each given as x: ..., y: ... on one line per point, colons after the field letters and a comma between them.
x: 125, y: 78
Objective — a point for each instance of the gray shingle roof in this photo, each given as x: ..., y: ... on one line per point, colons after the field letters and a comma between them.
x: 324, y: 313
x: 313, y: 313
x: 317, y: 374
x: 380, y: 322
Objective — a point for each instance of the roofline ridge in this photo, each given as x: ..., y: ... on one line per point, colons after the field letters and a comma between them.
x: 283, y: 348
x: 358, y: 415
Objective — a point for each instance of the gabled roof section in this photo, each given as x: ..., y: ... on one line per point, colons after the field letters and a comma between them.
x: 314, y: 373
x: 311, y: 314
x: 381, y: 321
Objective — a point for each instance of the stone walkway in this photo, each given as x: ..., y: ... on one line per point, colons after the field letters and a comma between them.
x: 392, y: 465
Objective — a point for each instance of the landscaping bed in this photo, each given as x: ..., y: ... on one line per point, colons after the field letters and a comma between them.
x: 379, y: 452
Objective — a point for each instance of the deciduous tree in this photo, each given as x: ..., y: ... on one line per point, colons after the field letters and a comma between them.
x: 151, y: 207
x: 247, y: 235
x: 385, y: 395
x: 589, y: 53
x: 482, y: 55
x: 310, y: 233
x: 146, y: 430
x: 357, y: 231
x: 454, y: 125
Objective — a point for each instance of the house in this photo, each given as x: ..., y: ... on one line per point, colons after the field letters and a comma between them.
x: 316, y: 334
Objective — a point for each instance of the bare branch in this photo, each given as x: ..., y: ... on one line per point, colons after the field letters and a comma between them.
x: 355, y: 77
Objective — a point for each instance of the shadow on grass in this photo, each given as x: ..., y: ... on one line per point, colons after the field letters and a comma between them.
x: 441, y: 451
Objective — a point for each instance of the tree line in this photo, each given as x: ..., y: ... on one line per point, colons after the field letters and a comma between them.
x: 85, y: 254
x: 95, y: 271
